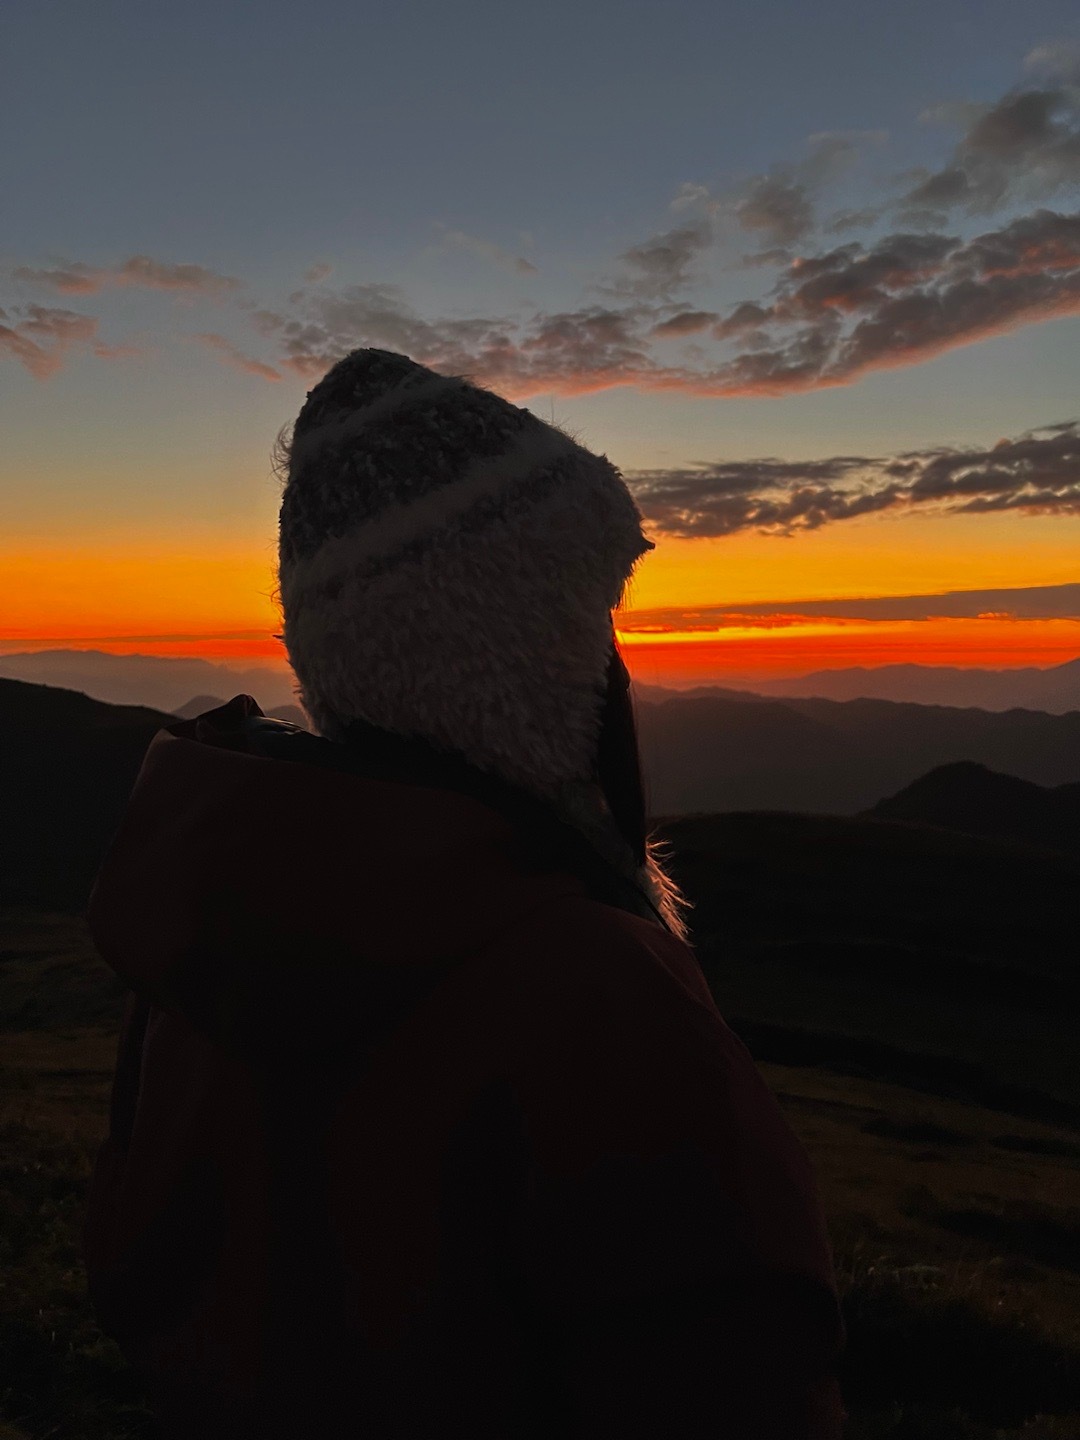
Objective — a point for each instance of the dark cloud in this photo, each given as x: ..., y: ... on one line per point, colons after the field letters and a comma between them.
x: 685, y: 322
x: 141, y: 271
x: 661, y: 267
x: 829, y: 319
x: 334, y: 322
x: 778, y: 255
x: 1037, y: 602
x: 908, y: 298
x: 828, y: 315
x: 780, y: 205
x: 1024, y: 146
x: 745, y: 317
x: 854, y: 219
x: 575, y: 351
x: 1038, y: 473
x: 776, y: 206
x: 601, y: 347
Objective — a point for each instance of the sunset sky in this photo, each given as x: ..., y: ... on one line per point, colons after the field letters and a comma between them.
x: 808, y: 274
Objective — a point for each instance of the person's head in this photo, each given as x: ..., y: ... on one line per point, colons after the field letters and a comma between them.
x: 448, y: 568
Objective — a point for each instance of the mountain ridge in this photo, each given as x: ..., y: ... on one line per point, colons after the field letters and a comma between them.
x: 168, y: 682
x: 713, y: 753
x: 1055, y: 690
x: 971, y: 798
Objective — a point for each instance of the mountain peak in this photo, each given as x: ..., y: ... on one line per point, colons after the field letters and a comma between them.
x: 970, y: 797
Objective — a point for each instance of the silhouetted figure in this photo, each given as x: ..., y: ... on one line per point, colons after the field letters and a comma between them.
x: 425, y: 1123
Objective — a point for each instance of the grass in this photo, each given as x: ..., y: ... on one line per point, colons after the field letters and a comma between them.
x: 955, y: 1230
x: 59, y: 1377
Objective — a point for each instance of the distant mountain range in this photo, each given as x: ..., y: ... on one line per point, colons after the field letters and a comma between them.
x: 198, y: 705
x: 1055, y: 690
x: 887, y: 944
x: 163, y: 682
x: 67, y: 764
x: 716, y: 752
x: 971, y: 798
x: 201, y: 703
x: 169, y: 682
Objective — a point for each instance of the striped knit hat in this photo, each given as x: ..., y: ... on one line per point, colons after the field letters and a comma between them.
x: 448, y: 566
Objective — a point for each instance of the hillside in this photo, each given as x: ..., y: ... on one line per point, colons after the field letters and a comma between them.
x: 972, y: 798
x: 163, y: 682
x: 200, y: 704
x: 909, y: 952
x: 197, y: 705
x: 67, y: 765
x: 908, y: 993
x: 715, y: 752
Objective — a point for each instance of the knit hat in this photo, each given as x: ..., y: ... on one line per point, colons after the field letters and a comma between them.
x: 447, y: 570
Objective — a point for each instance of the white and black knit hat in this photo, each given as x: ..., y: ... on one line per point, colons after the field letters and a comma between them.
x: 448, y: 566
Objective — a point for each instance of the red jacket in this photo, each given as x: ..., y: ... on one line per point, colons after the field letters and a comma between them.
x: 412, y: 1136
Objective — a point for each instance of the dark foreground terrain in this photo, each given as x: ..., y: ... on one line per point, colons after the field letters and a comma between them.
x: 909, y: 991
x: 920, y: 1036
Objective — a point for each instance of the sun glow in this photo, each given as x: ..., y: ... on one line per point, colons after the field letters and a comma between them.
x: 780, y: 645
x: 193, y: 596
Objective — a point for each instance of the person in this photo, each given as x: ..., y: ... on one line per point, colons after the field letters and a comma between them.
x: 425, y: 1122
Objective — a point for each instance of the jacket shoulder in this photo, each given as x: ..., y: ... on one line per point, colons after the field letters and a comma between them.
x: 592, y: 947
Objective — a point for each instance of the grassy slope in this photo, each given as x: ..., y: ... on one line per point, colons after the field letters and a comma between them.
x: 67, y: 766
x: 915, y: 953
x: 59, y: 1007
x: 972, y: 1348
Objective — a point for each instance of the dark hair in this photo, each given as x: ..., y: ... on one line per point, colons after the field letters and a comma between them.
x: 619, y: 757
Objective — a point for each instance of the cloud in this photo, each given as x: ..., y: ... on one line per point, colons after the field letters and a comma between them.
x: 1059, y: 60
x: 1036, y: 602
x: 854, y: 219
x: 689, y: 195
x: 778, y: 255
x: 746, y: 317
x: 40, y: 337
x: 777, y: 207
x: 600, y: 347
x: 70, y: 280
x: 236, y: 359
x: 1037, y: 473
x: 685, y: 322
x: 660, y: 267
x: 908, y: 298
x: 487, y: 250
x: 140, y: 271
x: 829, y: 319
x: 574, y: 351
x: 333, y: 323
x: 117, y: 352
x: 780, y: 205
x: 1025, y: 146
x: 826, y: 313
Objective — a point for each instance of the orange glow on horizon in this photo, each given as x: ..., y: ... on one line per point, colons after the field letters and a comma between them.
x: 778, y: 646
x: 189, y: 597
x: 787, y: 646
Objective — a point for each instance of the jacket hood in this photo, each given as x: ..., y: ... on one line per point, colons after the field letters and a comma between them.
x: 275, y: 887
